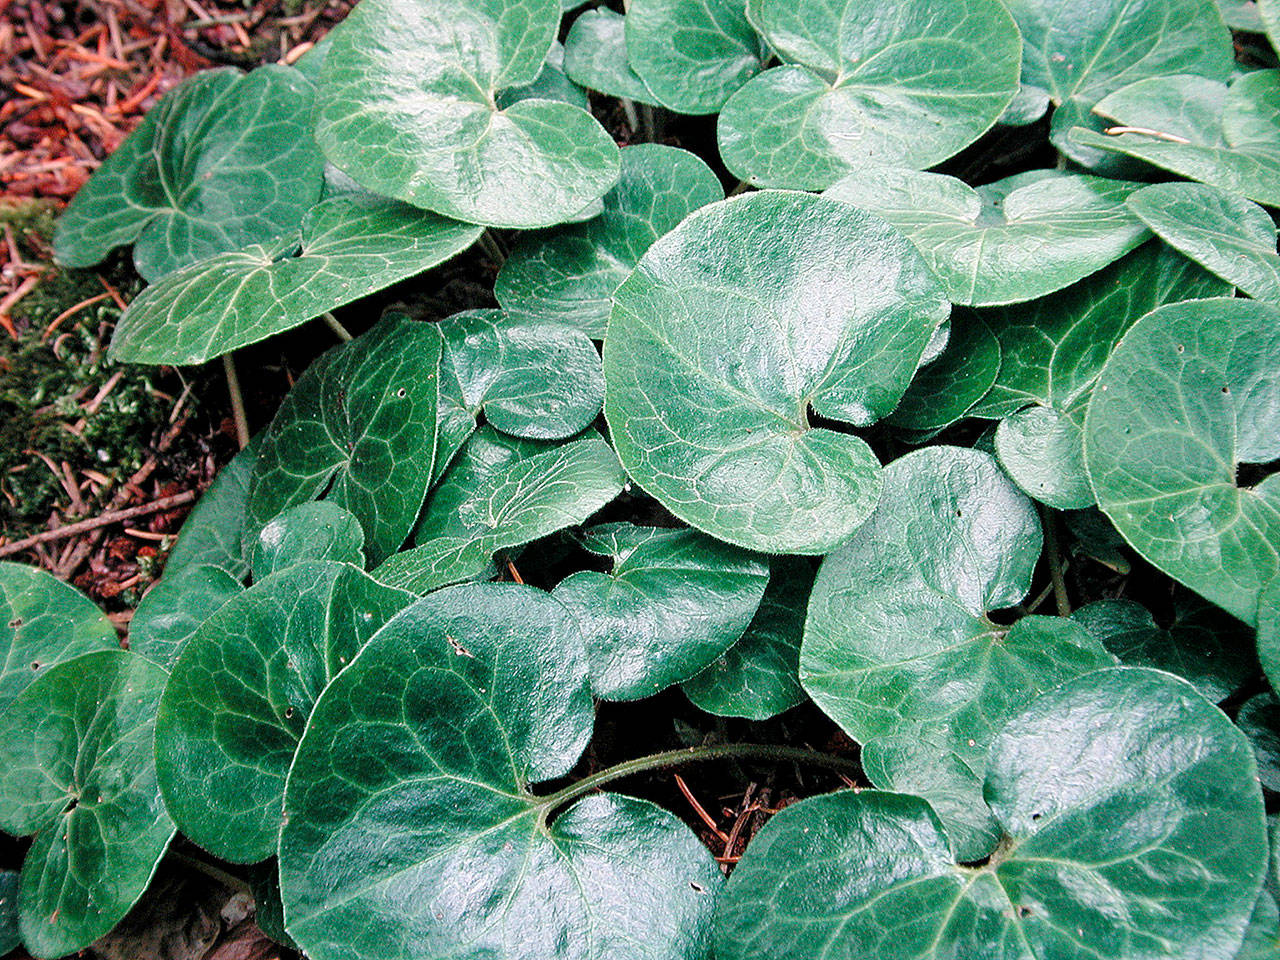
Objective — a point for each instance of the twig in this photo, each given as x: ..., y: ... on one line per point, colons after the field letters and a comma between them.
x: 515, y: 574
x: 237, y: 400
x: 334, y: 324
x: 94, y: 523
x: 70, y: 311
x: 702, y: 814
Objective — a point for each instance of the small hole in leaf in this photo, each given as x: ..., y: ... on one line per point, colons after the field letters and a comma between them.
x: 1024, y: 911
x: 1036, y: 816
x: 15, y: 623
x: 400, y: 392
x: 72, y: 805
x: 288, y: 712
x: 35, y: 664
x: 1226, y: 389
x: 697, y: 887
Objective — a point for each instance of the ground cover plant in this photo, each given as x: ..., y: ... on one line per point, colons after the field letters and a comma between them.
x: 926, y: 474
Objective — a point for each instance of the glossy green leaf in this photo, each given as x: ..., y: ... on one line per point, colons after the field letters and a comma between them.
x: 317, y: 530
x: 1134, y: 828
x: 240, y: 694
x: 619, y: 539
x: 529, y: 378
x: 944, y: 390
x: 1269, y: 631
x: 77, y: 771
x: 1241, y: 15
x: 1017, y: 239
x: 1052, y: 351
x: 223, y: 161
x: 1201, y: 644
x: 1221, y: 231
x: 1081, y: 51
x: 43, y: 622
x: 1262, y: 937
x: 912, y: 765
x: 1269, y: 11
x: 691, y: 54
x: 175, y: 608
x: 595, y: 55
x: 901, y: 83
x: 407, y: 106
x: 1189, y: 394
x: 410, y: 829
x: 897, y: 640
x: 359, y: 429
x: 551, y: 83
x: 1259, y: 718
x: 214, y: 531
x: 667, y: 609
x: 9, y: 936
x: 268, y: 911
x: 1200, y: 129
x: 348, y: 246
x: 500, y: 493
x: 758, y: 677
x: 733, y: 330
x: 569, y: 274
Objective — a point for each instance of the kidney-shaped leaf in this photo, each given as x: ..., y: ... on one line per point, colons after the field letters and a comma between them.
x: 1201, y: 644
x: 1017, y: 239
x: 735, y: 328
x: 175, y: 607
x: 595, y: 55
x: 43, y: 621
x: 1134, y: 828
x: 1221, y: 231
x: 901, y: 82
x: 1188, y: 396
x: 691, y: 54
x: 1051, y: 352
x: 358, y: 428
x: 77, y: 770
x: 410, y: 829
x: 501, y: 493
x: 316, y: 530
x: 408, y: 107
x: 667, y: 609
x: 758, y: 677
x: 223, y: 161
x: 531, y: 379
x: 569, y: 274
x: 1200, y: 129
x: 240, y: 694
x: 348, y: 247
x: 948, y: 386
x: 1080, y: 52
x: 898, y: 640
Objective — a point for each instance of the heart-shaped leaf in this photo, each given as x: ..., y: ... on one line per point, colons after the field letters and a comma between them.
x: 667, y: 609
x: 901, y: 83
x: 898, y: 640
x: 1188, y: 396
x: 551, y: 83
x: 1017, y: 239
x: 758, y: 677
x: 1138, y: 835
x: 223, y: 161
x: 175, y: 608
x: 240, y: 694
x: 530, y: 379
x: 1203, y: 645
x: 1222, y: 232
x: 348, y: 247
x: 317, y: 530
x: 1259, y: 718
x: 908, y: 764
x: 214, y: 531
x: 569, y: 274
x: 501, y: 493
x: 77, y: 771
x: 439, y: 727
x: 43, y: 622
x: 358, y: 428
x: 1200, y: 129
x: 945, y: 388
x: 691, y: 54
x: 408, y: 107
x: 734, y: 328
x: 1052, y: 351
x: 595, y: 55
x: 1080, y: 53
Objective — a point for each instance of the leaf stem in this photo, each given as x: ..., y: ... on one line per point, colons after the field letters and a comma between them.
x: 1050, y: 520
x: 489, y: 243
x: 209, y: 870
x: 633, y: 119
x: 672, y: 758
x: 237, y: 400
x: 334, y: 324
